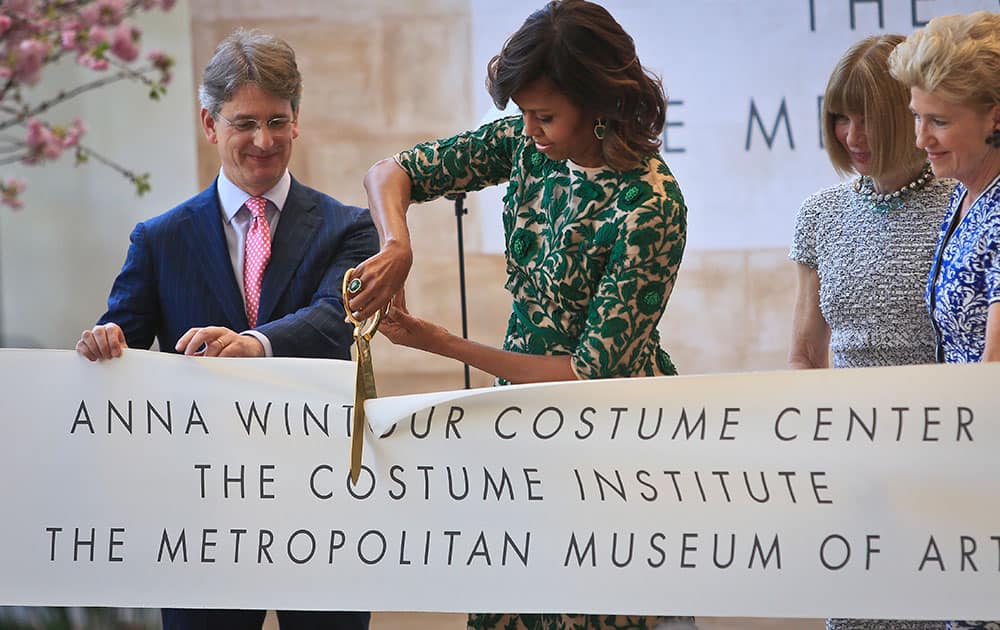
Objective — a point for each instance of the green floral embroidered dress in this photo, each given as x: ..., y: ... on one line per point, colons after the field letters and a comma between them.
x: 592, y: 255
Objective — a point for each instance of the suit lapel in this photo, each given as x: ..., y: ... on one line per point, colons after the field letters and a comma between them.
x: 292, y: 240
x: 205, y: 237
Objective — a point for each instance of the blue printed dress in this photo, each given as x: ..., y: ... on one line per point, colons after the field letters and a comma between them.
x: 965, y: 278
x: 964, y: 281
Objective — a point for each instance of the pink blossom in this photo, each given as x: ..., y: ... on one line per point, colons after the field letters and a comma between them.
x: 73, y: 37
x: 39, y: 24
x: 17, y: 6
x: 30, y: 56
x: 167, y: 4
x: 98, y: 36
x: 110, y: 12
x: 87, y: 60
x: 42, y: 142
x: 89, y: 15
x: 35, y: 129
x: 10, y: 191
x: 161, y: 60
x: 70, y: 136
x: 5, y: 23
x: 124, y: 42
x: 45, y: 142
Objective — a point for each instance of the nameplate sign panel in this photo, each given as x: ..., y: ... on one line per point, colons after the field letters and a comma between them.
x: 158, y: 480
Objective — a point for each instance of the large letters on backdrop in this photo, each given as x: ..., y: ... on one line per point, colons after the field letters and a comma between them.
x: 744, y: 82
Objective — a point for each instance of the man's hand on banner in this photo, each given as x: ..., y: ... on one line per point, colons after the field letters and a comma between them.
x: 102, y: 342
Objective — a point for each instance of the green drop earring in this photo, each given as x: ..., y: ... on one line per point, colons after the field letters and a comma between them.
x: 600, y: 129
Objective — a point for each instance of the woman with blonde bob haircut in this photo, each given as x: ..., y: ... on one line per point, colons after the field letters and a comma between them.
x: 864, y: 246
x: 952, y: 67
x: 858, y: 85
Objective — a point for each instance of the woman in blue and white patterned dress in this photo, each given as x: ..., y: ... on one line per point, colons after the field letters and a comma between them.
x: 952, y: 68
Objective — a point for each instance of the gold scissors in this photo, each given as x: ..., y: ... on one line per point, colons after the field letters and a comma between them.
x: 364, y: 384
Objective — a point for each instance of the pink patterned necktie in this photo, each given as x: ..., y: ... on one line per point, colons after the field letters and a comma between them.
x: 255, y: 256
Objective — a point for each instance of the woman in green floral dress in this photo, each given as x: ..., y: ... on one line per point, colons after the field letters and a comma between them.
x: 594, y: 221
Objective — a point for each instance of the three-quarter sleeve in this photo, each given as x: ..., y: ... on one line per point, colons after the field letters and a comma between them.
x: 632, y: 293
x: 467, y: 162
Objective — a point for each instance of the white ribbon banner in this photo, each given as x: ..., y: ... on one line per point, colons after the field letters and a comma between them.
x: 158, y: 480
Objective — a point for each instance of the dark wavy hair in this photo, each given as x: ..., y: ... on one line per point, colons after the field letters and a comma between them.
x: 592, y: 60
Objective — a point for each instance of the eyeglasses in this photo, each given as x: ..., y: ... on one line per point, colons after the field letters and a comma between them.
x: 277, y: 126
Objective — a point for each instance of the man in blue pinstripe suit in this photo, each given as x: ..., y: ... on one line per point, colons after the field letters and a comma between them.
x: 184, y: 278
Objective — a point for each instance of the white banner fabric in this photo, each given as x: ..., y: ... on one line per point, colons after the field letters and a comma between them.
x: 158, y: 480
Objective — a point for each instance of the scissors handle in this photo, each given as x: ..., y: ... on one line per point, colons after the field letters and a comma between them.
x: 362, y: 327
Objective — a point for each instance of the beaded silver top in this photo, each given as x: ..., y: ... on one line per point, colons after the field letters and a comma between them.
x: 872, y: 270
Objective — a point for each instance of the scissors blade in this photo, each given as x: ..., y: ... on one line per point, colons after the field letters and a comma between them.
x: 358, y: 426
x: 367, y: 369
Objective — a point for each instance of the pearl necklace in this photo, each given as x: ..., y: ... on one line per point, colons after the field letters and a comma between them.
x: 887, y: 202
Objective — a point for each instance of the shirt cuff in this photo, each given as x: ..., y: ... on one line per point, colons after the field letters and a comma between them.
x: 262, y: 338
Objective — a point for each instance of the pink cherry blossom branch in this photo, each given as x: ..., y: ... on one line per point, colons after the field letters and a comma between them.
x: 13, y: 159
x: 8, y: 146
x: 65, y: 95
x: 37, y: 33
x: 140, y: 180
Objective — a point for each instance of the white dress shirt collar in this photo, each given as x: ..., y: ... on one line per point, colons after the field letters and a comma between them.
x: 232, y: 197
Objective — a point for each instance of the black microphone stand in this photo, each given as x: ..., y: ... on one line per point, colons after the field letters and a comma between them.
x: 459, y: 212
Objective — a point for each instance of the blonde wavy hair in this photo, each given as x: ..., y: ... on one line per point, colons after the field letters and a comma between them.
x: 957, y: 57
